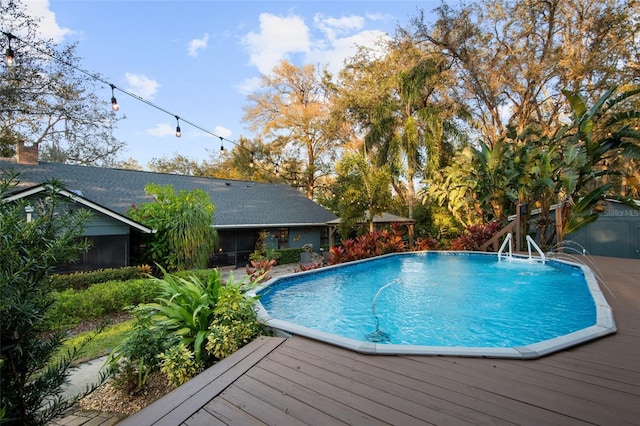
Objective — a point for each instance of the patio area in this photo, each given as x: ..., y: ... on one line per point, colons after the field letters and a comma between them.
x: 301, y: 381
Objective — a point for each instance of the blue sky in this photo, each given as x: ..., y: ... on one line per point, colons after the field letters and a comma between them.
x: 200, y: 59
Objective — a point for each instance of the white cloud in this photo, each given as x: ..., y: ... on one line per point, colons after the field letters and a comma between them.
x: 222, y: 131
x: 142, y: 85
x: 334, y: 27
x: 334, y: 53
x: 162, y: 130
x: 196, y: 45
x: 249, y: 85
x: 328, y: 43
x: 48, y: 27
x: 277, y: 38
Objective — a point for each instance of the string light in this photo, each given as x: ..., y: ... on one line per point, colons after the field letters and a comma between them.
x: 10, y: 60
x: 114, y: 102
x: 178, y: 132
x: 10, y: 56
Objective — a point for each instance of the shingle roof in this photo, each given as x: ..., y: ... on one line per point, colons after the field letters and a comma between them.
x: 81, y: 200
x: 239, y: 204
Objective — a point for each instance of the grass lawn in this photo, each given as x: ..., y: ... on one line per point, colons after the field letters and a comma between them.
x: 100, y: 345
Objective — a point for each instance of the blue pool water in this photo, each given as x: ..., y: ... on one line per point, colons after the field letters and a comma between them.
x: 436, y: 299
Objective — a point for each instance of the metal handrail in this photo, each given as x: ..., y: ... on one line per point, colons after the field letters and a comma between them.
x: 507, y: 239
x: 530, y: 243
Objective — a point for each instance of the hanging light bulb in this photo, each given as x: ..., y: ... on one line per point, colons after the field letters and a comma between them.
x: 251, y: 161
x: 221, y: 145
x: 178, y: 131
x: 10, y: 56
x: 114, y: 102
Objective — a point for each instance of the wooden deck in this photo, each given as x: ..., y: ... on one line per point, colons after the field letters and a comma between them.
x: 299, y: 381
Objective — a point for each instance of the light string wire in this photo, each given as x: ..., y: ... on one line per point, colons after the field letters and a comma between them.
x: 130, y: 94
x: 253, y: 163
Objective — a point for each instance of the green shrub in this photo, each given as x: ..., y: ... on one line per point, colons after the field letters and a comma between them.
x: 290, y: 255
x: 234, y: 324
x: 83, y: 280
x: 71, y: 307
x: 187, y: 307
x: 131, y: 362
x: 179, y: 364
x: 202, y: 274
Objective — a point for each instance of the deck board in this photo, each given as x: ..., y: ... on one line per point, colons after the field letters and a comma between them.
x: 313, y: 398
x: 301, y: 381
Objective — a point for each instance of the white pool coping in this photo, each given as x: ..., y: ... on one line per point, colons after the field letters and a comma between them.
x: 605, y: 325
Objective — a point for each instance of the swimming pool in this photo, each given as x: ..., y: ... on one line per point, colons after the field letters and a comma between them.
x: 441, y: 303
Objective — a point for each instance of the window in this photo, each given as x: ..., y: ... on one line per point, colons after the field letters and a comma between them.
x: 283, y: 238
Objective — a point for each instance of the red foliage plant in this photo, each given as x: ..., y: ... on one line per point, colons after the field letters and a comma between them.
x: 259, y: 269
x: 476, y: 236
x: 429, y: 243
x: 369, y: 245
x: 309, y: 266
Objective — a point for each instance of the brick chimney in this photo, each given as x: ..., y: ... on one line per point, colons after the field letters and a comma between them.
x: 27, y: 154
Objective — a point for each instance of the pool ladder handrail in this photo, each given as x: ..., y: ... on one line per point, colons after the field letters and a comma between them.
x: 507, y: 240
x: 530, y: 242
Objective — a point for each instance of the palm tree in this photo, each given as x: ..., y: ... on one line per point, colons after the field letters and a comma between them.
x: 406, y: 126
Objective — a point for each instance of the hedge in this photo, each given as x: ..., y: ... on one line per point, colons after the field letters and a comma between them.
x: 71, y: 307
x: 84, y: 280
x: 287, y: 256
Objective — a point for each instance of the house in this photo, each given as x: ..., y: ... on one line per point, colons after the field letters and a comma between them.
x: 243, y: 208
x: 108, y: 232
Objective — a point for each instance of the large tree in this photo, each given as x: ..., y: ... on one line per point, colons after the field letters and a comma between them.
x: 363, y: 191
x: 568, y: 167
x: 292, y: 111
x: 31, y: 245
x: 45, y: 100
x: 392, y: 103
x: 513, y: 59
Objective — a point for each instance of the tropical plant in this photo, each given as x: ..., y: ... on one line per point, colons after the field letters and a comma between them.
x: 475, y: 236
x: 234, y: 323
x: 598, y: 134
x: 135, y: 358
x: 363, y: 191
x: 185, y: 307
x: 369, y: 245
x: 407, y: 125
x: 184, y: 237
x: 30, y: 383
x: 428, y: 243
x: 308, y: 267
x: 259, y: 270
x: 456, y: 189
x: 179, y: 364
